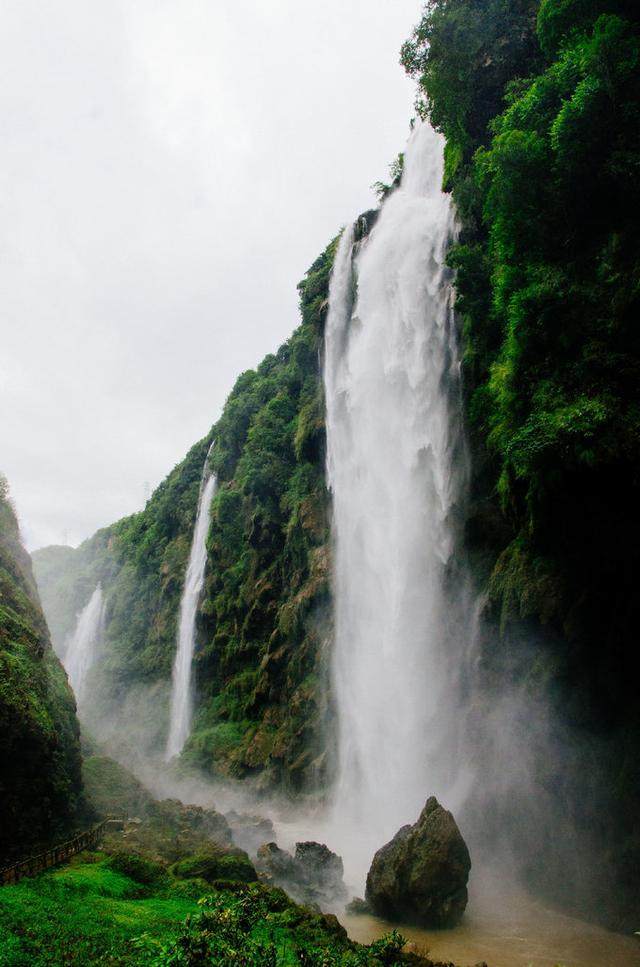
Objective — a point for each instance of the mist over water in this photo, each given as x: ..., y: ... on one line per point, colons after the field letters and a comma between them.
x: 83, y: 647
x: 396, y: 477
x: 181, y: 692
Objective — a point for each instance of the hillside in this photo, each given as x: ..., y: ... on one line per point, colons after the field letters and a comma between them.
x: 40, y: 781
x: 261, y: 668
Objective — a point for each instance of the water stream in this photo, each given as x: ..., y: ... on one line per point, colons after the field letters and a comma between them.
x: 181, y: 691
x: 507, y: 928
x: 83, y: 646
x: 396, y: 473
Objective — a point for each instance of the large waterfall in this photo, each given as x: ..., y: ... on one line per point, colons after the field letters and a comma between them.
x: 181, y: 693
x: 395, y: 473
x: 82, y: 649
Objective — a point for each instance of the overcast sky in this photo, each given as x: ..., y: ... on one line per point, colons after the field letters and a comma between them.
x: 168, y: 171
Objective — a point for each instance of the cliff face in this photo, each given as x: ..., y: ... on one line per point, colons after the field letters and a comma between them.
x: 40, y: 784
x: 261, y: 690
x: 261, y: 672
x: 539, y: 106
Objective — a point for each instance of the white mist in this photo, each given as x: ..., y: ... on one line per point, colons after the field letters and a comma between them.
x: 391, y: 372
x: 181, y: 692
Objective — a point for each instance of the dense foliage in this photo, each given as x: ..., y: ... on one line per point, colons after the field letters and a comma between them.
x: 261, y: 669
x: 117, y: 910
x: 540, y: 106
x: 40, y: 782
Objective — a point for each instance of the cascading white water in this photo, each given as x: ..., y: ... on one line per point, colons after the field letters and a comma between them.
x: 391, y: 378
x: 82, y: 649
x: 181, y: 692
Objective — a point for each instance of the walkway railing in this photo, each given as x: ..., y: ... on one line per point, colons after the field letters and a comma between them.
x: 58, y: 854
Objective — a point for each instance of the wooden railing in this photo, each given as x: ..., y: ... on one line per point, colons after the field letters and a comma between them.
x: 60, y: 853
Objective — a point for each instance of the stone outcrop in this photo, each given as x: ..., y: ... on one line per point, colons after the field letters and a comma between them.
x: 312, y: 875
x: 249, y: 831
x: 421, y: 875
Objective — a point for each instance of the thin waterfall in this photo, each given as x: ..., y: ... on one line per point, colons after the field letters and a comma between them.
x: 83, y: 646
x: 181, y: 692
x: 395, y: 474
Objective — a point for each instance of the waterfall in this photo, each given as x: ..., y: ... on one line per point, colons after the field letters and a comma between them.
x: 82, y: 649
x: 396, y: 475
x: 181, y: 692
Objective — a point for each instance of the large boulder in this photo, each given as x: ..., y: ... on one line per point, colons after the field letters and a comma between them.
x: 421, y: 875
x: 312, y: 875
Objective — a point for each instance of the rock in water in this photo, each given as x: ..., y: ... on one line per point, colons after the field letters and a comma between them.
x: 421, y: 875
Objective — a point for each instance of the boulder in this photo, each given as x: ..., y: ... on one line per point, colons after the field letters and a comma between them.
x: 249, y: 831
x: 321, y: 869
x: 275, y: 864
x: 421, y: 875
x: 313, y: 875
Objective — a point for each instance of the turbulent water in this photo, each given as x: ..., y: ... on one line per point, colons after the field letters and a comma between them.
x: 83, y: 647
x: 396, y: 475
x: 181, y: 692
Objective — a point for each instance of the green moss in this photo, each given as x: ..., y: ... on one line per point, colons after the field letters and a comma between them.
x: 40, y: 782
x: 233, y: 866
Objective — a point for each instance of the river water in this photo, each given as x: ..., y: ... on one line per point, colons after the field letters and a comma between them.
x: 510, y: 929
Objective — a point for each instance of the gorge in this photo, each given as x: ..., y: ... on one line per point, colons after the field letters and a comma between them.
x: 407, y: 567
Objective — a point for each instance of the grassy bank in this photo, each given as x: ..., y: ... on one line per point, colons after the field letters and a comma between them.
x: 122, y: 909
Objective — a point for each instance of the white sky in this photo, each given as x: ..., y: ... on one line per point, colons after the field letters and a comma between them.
x: 168, y: 171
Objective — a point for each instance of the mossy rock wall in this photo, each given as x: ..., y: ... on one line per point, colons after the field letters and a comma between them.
x: 539, y: 103
x: 40, y: 777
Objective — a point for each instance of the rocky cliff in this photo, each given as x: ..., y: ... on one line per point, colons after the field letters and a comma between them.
x: 40, y: 780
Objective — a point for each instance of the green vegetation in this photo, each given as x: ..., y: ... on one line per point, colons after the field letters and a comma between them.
x: 87, y: 912
x: 115, y: 910
x: 542, y: 120
x: 540, y: 106
x: 261, y: 672
x: 40, y: 783
x: 140, y: 562
x: 112, y: 789
x: 261, y: 667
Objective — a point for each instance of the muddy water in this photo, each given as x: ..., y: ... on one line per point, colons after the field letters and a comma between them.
x: 503, y: 926
x: 511, y: 931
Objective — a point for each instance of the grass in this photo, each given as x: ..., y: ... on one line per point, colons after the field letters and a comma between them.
x: 84, y: 913
x: 97, y: 910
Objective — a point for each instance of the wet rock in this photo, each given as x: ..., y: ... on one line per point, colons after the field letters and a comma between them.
x: 275, y: 863
x: 171, y: 814
x: 216, y: 864
x: 249, y: 831
x: 313, y: 875
x: 321, y: 868
x: 421, y: 875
